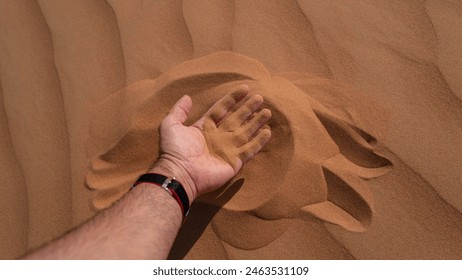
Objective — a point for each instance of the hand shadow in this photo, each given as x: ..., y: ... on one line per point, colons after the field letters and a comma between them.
x: 199, y: 217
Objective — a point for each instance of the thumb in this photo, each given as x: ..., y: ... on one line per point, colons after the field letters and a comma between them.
x: 180, y: 111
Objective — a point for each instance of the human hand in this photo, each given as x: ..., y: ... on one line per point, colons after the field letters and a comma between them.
x: 207, y: 154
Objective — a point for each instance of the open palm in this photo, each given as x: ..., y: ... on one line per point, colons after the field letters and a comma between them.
x: 211, y: 151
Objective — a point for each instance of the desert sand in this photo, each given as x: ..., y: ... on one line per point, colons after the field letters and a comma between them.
x: 367, y: 121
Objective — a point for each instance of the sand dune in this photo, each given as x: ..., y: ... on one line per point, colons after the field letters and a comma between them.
x: 61, y: 60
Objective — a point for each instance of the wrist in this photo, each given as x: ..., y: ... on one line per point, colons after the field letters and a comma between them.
x: 170, y: 168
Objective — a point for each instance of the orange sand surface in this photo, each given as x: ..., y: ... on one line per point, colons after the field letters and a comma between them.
x: 367, y: 121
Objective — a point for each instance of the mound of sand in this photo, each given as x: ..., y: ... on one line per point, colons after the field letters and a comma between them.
x: 322, y: 144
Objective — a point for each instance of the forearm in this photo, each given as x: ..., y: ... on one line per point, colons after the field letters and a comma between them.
x: 142, y: 225
x: 145, y: 222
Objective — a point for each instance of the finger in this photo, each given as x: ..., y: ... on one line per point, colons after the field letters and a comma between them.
x: 234, y: 120
x: 219, y: 110
x: 266, y: 126
x: 248, y: 108
x: 180, y: 111
x: 255, y: 123
x: 250, y: 118
x: 250, y: 149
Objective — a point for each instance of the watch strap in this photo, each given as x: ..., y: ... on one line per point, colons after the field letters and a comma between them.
x: 172, y: 186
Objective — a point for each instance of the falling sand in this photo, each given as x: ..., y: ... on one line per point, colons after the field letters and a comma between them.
x: 325, y: 144
x: 347, y: 174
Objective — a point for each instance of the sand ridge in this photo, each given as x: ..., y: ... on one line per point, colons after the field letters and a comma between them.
x: 58, y: 59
